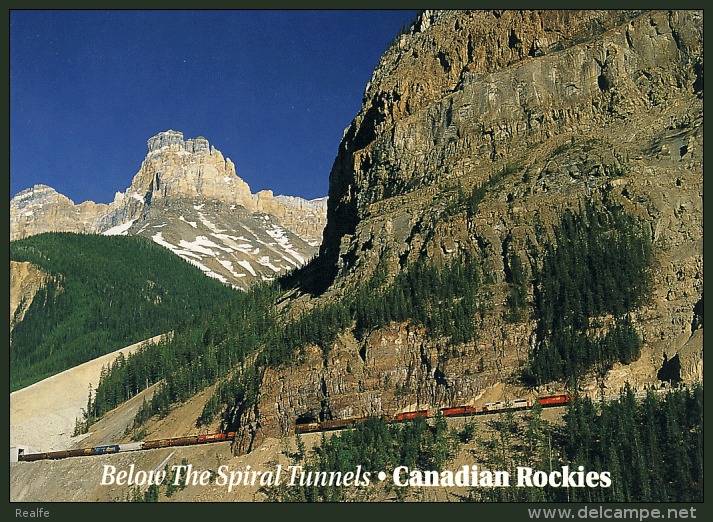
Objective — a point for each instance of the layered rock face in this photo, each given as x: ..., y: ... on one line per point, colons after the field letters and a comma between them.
x: 548, y: 109
x: 25, y: 280
x: 187, y: 197
x: 466, y: 93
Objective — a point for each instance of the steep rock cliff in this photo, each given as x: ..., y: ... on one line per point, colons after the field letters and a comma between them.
x: 547, y: 109
x: 25, y: 280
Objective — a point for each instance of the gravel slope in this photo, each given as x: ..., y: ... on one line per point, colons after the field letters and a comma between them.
x: 43, y: 415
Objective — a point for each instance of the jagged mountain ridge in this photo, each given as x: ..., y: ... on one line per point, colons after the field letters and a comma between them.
x: 188, y: 198
x: 559, y: 107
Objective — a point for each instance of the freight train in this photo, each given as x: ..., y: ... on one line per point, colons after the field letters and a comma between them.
x: 130, y: 446
x: 454, y: 411
x: 302, y: 427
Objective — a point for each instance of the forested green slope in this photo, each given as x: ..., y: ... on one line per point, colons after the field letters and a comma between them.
x: 104, y: 293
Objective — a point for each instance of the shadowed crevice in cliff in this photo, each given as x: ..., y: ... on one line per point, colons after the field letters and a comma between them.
x: 670, y: 370
x: 698, y: 83
x: 312, y: 279
x: 697, y: 321
x: 366, y: 132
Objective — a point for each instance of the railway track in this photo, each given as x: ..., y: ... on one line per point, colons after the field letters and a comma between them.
x: 317, y: 426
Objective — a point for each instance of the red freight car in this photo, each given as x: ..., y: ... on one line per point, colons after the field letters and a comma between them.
x: 459, y: 411
x: 409, y: 415
x: 63, y: 454
x: 31, y: 457
x: 555, y: 400
x: 183, y: 441
x: 211, y: 437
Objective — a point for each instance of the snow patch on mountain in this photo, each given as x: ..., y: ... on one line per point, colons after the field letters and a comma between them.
x: 247, y: 266
x: 119, y: 230
x: 192, y: 223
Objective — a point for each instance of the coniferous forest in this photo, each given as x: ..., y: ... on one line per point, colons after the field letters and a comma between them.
x: 373, y: 445
x: 652, y: 448
x: 596, y: 267
x: 210, y: 347
x: 103, y: 293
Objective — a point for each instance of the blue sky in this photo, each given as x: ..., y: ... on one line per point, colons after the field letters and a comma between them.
x: 272, y: 90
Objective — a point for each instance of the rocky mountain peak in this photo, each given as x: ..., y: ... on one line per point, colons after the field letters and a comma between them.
x: 42, y: 209
x: 167, y: 139
x: 175, y: 167
x: 172, y: 140
x: 37, y: 196
x: 205, y: 212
